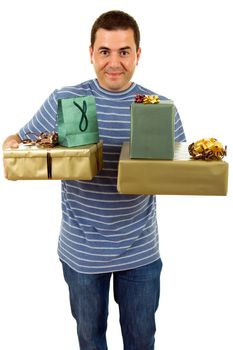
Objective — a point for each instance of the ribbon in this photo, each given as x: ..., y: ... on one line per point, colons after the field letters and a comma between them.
x: 147, y: 99
x: 43, y: 139
x: 49, y: 165
x: 84, y: 119
x: 151, y: 99
x: 139, y: 98
x: 207, y: 149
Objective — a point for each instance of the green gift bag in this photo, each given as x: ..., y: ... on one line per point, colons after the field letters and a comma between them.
x: 77, y: 122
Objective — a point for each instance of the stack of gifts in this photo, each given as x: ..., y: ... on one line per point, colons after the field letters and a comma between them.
x: 72, y: 153
x: 153, y: 164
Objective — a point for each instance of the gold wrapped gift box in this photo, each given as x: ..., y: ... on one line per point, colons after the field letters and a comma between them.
x: 58, y: 163
x: 180, y: 176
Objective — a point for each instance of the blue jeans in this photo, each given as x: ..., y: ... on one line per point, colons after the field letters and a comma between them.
x: 136, y: 292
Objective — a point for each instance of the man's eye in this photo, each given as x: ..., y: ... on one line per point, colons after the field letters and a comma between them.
x: 124, y: 53
x: 104, y: 52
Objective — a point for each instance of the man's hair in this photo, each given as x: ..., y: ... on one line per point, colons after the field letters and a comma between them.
x: 113, y: 20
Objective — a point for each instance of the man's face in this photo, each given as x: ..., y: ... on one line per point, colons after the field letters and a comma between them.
x: 114, y: 57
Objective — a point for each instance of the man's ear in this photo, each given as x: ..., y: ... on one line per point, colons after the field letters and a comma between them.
x: 138, y: 55
x: 91, y: 53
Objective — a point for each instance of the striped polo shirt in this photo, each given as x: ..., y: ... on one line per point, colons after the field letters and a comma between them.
x: 102, y: 230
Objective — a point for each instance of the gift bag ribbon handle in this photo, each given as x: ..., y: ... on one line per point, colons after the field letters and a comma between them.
x: 83, y: 125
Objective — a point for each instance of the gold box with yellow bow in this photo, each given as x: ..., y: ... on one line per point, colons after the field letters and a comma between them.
x: 180, y: 176
x: 58, y: 163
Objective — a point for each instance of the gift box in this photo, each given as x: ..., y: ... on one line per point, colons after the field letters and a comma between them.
x: 152, y: 130
x: 57, y: 163
x: 180, y: 176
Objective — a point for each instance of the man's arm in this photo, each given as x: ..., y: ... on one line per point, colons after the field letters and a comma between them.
x: 11, y: 141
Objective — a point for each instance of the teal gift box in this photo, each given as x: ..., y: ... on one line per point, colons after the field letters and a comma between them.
x: 152, y: 130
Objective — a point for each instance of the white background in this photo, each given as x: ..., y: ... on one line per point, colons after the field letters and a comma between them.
x: 186, y: 56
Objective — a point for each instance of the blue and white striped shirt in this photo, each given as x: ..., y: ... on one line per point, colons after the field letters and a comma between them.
x: 102, y: 230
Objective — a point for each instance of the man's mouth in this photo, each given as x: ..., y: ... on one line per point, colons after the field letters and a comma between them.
x: 113, y: 74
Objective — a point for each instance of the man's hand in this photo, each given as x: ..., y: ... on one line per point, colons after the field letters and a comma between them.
x: 10, y: 142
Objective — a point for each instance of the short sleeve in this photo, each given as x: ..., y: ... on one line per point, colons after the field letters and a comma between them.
x: 45, y: 120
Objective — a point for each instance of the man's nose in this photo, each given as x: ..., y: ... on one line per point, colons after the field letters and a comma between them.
x: 114, y: 60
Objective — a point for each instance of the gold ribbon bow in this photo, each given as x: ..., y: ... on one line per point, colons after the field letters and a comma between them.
x: 207, y: 149
x: 151, y: 99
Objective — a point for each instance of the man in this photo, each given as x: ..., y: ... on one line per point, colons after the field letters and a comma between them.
x: 104, y: 233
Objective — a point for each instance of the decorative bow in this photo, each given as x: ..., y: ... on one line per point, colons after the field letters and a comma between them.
x: 147, y: 99
x: 207, y: 149
x: 43, y: 139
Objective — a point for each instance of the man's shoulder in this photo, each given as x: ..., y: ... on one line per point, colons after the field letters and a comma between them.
x: 82, y: 89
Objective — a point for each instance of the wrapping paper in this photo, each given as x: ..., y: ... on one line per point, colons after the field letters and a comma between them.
x: 180, y: 176
x: 58, y: 163
x: 152, y: 130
